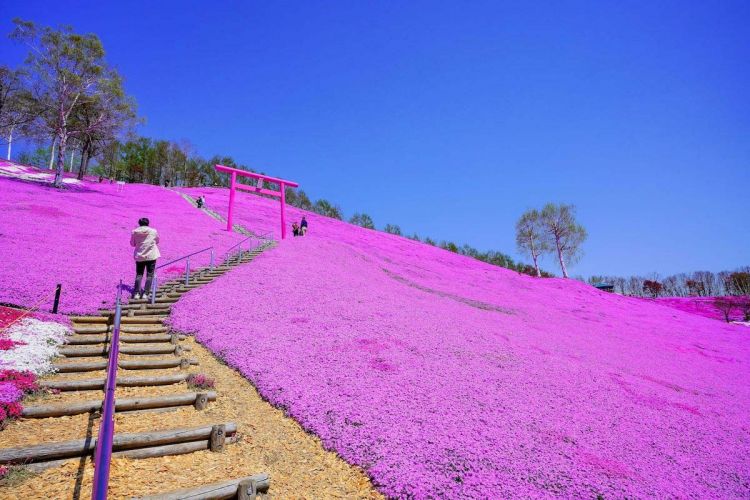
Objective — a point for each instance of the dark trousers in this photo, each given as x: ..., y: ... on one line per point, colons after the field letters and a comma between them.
x: 149, y: 266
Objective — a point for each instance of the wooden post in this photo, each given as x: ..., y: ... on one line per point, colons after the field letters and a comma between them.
x: 201, y: 401
x: 57, y: 295
x: 247, y: 490
x: 184, y: 364
x: 173, y: 339
x: 218, y: 438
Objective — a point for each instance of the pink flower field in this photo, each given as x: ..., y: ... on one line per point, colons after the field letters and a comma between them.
x: 439, y: 375
x: 80, y: 237
x: 445, y: 377
x: 703, y: 306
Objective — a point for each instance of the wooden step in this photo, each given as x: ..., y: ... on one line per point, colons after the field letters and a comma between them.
x: 100, y: 328
x: 197, y: 399
x: 160, y: 314
x: 143, y: 320
x: 82, y: 352
x: 258, y: 483
x: 132, y: 445
x: 145, y: 306
x: 131, y: 339
x: 160, y: 300
x: 91, y: 384
x: 145, y: 364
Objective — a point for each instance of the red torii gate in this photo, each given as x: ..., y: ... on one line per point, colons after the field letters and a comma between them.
x: 233, y: 184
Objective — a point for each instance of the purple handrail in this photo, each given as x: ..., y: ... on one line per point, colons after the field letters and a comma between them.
x: 103, y: 455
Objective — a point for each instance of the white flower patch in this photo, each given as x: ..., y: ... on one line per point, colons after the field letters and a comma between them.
x: 30, y: 173
x: 42, y: 340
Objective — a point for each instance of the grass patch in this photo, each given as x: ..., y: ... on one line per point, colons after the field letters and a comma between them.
x: 14, y: 475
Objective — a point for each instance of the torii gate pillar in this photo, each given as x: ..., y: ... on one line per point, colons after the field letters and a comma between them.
x: 233, y: 185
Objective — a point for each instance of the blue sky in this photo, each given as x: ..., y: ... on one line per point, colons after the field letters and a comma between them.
x: 452, y: 118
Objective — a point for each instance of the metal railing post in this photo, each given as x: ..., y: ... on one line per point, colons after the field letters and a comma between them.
x: 153, y: 289
x: 103, y: 453
x: 187, y: 271
x: 211, y: 264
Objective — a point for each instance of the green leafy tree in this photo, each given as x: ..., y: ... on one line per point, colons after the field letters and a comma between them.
x: 37, y: 158
x: 362, y: 220
x: 66, y: 68
x: 17, y: 107
x: 564, y: 233
x: 98, y: 119
x: 392, y: 229
x: 303, y: 201
x: 324, y: 207
x: 449, y: 245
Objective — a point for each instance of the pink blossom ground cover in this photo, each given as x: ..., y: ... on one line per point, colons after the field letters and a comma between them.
x: 703, y: 306
x: 28, y: 343
x: 80, y: 236
x: 445, y: 377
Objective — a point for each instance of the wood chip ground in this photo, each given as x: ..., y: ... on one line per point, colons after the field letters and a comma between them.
x: 269, y: 442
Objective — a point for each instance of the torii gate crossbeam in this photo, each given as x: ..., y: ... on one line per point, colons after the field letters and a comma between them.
x: 233, y: 185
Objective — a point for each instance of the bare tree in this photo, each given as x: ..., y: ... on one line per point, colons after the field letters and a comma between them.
x: 653, y: 288
x: 726, y: 306
x: 744, y: 305
x: 565, y: 233
x: 531, y: 238
x: 737, y: 283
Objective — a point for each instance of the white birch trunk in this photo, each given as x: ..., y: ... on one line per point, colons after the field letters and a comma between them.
x: 10, y: 142
x: 52, y: 153
x: 60, y: 159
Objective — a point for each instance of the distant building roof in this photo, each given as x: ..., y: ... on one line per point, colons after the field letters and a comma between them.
x: 605, y: 286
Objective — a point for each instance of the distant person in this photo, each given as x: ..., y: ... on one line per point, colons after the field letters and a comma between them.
x: 145, y: 240
x: 201, y: 201
x: 295, y: 229
x: 303, y: 226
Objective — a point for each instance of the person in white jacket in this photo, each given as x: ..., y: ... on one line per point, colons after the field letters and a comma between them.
x: 145, y: 240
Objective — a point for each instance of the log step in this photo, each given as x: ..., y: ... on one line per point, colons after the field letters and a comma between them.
x: 198, y: 399
x: 143, y: 320
x: 146, y: 364
x: 95, y: 328
x: 92, y: 384
x: 145, y: 306
x: 82, y: 352
x: 121, y: 442
x: 260, y: 483
x: 151, y: 313
x: 101, y: 339
x: 160, y: 301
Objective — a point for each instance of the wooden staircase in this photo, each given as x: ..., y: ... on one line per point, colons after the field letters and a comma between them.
x: 146, y: 345
x: 211, y: 213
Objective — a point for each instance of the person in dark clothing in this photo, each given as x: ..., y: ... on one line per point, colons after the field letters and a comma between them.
x: 303, y: 226
x: 200, y: 202
x: 295, y: 229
